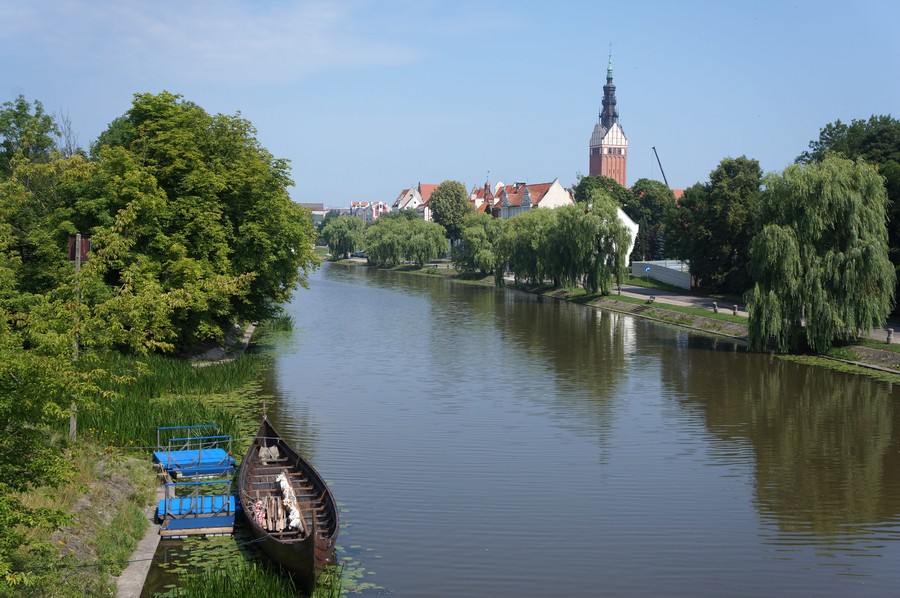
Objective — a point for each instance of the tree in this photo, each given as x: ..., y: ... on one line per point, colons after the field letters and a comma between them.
x: 34, y: 390
x: 607, y: 260
x: 423, y: 241
x: 877, y: 141
x: 226, y: 226
x: 715, y: 222
x: 820, y: 262
x: 449, y: 204
x: 527, y: 245
x: 25, y: 131
x: 476, y: 251
x: 652, y: 205
x: 343, y: 235
x: 586, y: 186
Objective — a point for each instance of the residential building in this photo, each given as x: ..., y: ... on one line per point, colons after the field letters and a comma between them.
x: 368, y: 211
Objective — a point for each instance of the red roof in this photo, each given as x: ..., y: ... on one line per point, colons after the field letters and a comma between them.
x: 516, y: 193
x: 425, y: 191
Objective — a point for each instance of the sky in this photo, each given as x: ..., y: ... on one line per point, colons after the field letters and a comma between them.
x: 368, y: 97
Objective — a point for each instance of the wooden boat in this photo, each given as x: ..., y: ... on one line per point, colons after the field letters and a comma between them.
x: 301, y: 541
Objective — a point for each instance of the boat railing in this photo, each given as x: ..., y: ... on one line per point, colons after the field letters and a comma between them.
x: 197, y: 501
x: 164, y: 433
x: 201, y: 444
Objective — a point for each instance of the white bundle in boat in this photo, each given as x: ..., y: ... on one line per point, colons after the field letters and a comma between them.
x: 295, y: 519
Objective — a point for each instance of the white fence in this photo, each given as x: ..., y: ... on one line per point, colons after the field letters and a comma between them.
x: 670, y: 272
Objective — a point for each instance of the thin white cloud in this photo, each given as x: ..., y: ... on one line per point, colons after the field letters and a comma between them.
x: 219, y: 41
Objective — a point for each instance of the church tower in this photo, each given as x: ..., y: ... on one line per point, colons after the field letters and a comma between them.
x: 609, y: 147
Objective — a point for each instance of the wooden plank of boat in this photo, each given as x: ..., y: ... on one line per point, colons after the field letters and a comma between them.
x: 302, y: 550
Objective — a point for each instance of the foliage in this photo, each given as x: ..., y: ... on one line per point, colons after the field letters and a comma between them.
x: 35, y: 391
x: 715, y: 222
x: 343, y: 235
x: 586, y: 186
x: 820, y: 262
x: 449, y: 204
x: 571, y: 245
x: 390, y: 241
x: 476, y: 250
x: 225, y: 240
x: 877, y: 141
x: 607, y: 260
x: 26, y: 132
x: 652, y: 205
x: 526, y: 245
x: 190, y: 224
x: 239, y: 579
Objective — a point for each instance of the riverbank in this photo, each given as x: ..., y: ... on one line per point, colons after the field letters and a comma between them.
x: 667, y: 308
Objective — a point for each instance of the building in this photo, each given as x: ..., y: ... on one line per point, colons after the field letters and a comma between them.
x: 368, y: 211
x: 609, y: 146
x: 506, y: 201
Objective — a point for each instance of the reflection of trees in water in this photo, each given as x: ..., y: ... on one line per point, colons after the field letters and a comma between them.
x: 290, y: 418
x: 584, y: 347
x: 825, y: 446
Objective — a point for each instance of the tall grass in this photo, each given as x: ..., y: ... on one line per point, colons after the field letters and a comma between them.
x: 140, y: 394
x: 243, y: 579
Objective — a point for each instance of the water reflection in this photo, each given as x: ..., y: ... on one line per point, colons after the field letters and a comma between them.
x: 547, y: 448
x: 823, y: 444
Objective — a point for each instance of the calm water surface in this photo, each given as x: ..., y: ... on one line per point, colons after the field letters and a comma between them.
x: 484, y: 442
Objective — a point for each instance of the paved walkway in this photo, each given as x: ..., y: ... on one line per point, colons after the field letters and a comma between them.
x: 131, y: 582
x: 704, y: 302
x: 685, y: 299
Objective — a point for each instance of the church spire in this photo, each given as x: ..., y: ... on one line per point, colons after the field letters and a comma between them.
x: 609, y: 114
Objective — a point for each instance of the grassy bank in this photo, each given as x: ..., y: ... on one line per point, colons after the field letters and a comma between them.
x: 104, y: 497
x: 109, y: 480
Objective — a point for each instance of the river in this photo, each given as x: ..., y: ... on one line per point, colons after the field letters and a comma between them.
x: 488, y: 442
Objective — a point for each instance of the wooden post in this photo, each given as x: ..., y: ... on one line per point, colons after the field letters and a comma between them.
x: 890, y: 335
x: 734, y: 311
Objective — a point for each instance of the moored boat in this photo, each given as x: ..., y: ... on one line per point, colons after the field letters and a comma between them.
x: 290, y: 509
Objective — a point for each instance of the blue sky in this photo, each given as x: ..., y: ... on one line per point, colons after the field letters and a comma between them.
x: 368, y: 97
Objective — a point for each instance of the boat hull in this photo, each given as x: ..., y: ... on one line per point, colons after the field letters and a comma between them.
x: 302, y: 553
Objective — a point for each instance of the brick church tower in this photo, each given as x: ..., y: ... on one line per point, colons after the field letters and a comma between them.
x: 609, y: 147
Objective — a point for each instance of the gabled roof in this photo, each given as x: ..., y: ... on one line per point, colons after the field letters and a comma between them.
x: 516, y: 192
x: 400, y: 197
x: 425, y: 191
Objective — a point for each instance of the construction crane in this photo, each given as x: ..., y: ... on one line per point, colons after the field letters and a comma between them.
x: 660, y: 166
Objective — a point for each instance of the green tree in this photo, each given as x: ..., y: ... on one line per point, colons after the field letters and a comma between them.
x: 526, y: 245
x: 384, y: 241
x: 224, y: 230
x: 423, y: 241
x: 476, y: 251
x: 652, y: 205
x: 715, y: 222
x: 26, y: 131
x: 449, y: 204
x: 34, y: 392
x: 820, y: 262
x: 877, y: 141
x: 586, y: 186
x: 607, y: 261
x: 343, y: 235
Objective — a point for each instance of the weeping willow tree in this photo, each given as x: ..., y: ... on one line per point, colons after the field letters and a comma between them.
x: 820, y: 262
x: 609, y: 259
